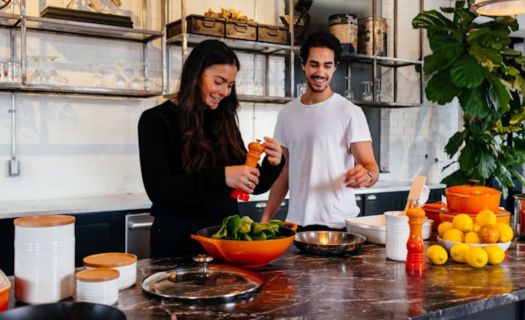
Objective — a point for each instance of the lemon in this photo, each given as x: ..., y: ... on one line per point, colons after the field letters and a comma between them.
x: 453, y: 235
x: 457, y: 252
x: 476, y: 257
x: 476, y: 227
x: 486, y: 217
x: 495, y: 254
x: 463, y: 222
x: 444, y: 226
x: 471, y: 237
x: 437, y: 254
x: 505, y: 232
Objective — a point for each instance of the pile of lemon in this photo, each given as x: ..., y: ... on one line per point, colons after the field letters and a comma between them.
x: 464, y: 230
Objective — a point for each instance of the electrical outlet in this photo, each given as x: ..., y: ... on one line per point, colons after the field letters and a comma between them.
x: 14, y: 168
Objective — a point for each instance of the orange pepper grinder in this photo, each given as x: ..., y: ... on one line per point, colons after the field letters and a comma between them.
x: 255, y: 149
x: 415, y: 256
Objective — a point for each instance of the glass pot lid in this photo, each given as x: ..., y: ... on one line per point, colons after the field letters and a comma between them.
x: 203, y: 282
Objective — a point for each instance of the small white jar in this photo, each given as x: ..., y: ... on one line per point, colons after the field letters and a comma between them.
x: 125, y: 263
x: 44, y: 258
x: 97, y: 286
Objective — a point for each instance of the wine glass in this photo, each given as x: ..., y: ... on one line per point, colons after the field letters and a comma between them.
x: 348, y: 92
x: 119, y: 79
x: 377, y: 90
x: 367, y: 92
x: 53, y: 77
x: 38, y: 76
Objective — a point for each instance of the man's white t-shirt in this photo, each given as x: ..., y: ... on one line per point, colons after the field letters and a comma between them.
x: 318, y: 138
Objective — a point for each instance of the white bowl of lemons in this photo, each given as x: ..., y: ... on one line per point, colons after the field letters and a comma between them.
x: 447, y: 244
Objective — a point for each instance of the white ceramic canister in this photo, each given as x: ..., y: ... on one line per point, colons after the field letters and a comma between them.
x: 98, y: 285
x: 397, y: 233
x: 44, y: 258
x: 125, y: 263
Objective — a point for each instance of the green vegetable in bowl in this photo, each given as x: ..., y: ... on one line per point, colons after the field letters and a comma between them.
x: 244, y: 228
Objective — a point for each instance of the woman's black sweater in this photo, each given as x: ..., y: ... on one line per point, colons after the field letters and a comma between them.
x: 203, y: 195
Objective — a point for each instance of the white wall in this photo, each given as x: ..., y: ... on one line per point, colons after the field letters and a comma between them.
x: 72, y: 146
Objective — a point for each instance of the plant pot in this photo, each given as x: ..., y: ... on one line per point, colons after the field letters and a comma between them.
x: 472, y: 199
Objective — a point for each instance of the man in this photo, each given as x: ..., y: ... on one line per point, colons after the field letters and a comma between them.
x: 327, y: 145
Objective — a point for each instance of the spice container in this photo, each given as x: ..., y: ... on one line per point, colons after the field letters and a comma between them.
x: 44, y: 258
x: 125, y: 263
x: 98, y: 286
x: 344, y: 27
x: 372, y: 37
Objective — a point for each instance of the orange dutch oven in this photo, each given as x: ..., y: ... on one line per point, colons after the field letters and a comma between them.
x: 472, y: 199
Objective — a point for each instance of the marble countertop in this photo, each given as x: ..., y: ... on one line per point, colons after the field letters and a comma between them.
x: 363, y: 286
x: 138, y: 201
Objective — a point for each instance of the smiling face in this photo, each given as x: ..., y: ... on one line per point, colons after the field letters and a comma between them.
x: 216, y: 83
x: 319, y: 69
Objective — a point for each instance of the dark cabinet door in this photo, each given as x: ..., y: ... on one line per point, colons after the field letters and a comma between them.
x: 98, y: 233
x: 379, y: 203
x: 359, y: 199
x: 255, y: 209
x: 7, y: 239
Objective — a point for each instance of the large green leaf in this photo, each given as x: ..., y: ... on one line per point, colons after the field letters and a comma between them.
x: 445, y: 44
x: 454, y: 143
x: 483, y: 54
x: 487, y: 163
x: 456, y: 178
x: 466, y: 72
x: 499, y: 92
x: 474, y: 102
x: 440, y: 88
x: 436, y: 62
x: 468, y: 156
x: 482, y: 35
x: 432, y: 20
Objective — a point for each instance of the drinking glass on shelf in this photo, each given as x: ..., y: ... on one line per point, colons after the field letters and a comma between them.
x: 98, y: 75
x: 38, y: 76
x: 53, y: 77
x: 137, y: 80
x: 119, y: 79
x: 367, y: 92
x: 377, y: 90
x: 348, y: 92
x: 301, y: 89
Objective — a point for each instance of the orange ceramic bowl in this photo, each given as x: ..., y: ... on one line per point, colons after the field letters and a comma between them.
x: 432, y: 211
x: 472, y: 199
x: 501, y: 215
x: 250, y: 254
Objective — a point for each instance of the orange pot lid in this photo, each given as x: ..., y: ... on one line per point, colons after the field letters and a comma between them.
x: 109, y: 260
x: 97, y: 275
x: 54, y: 220
x: 473, y: 190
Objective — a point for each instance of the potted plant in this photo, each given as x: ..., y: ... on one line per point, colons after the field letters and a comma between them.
x: 473, y: 61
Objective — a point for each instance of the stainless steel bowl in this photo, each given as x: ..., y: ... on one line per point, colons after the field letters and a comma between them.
x: 328, y: 243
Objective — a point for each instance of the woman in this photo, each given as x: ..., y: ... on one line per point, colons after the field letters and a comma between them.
x: 192, y: 154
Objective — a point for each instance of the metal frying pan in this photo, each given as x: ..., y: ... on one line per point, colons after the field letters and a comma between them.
x: 64, y: 311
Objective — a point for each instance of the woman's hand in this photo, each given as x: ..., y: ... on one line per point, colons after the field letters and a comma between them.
x: 242, y: 177
x: 273, y: 150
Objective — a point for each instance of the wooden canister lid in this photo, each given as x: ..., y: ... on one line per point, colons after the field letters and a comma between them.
x: 97, y: 275
x: 109, y: 260
x: 54, y: 220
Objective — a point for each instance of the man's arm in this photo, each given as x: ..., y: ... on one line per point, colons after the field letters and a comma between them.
x: 277, y: 192
x: 366, y: 171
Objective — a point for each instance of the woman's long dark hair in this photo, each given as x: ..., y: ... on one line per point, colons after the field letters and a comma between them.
x: 218, y: 141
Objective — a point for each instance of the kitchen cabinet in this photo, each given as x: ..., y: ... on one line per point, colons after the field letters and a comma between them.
x: 98, y: 233
x: 255, y: 209
x: 378, y: 203
x: 7, y: 252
